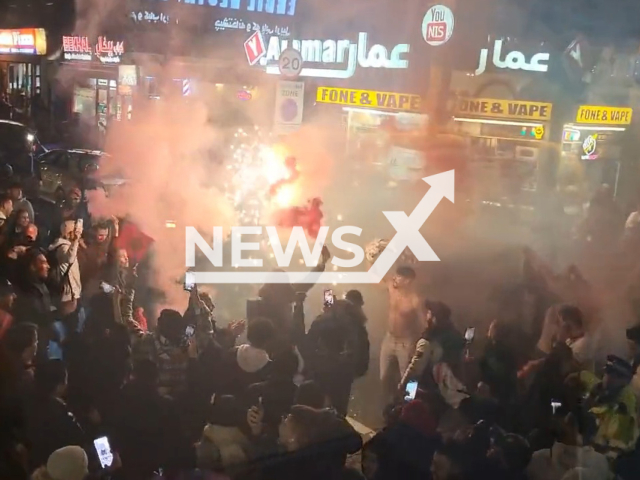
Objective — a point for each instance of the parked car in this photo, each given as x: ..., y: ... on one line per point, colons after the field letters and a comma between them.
x: 61, y: 169
x: 19, y: 146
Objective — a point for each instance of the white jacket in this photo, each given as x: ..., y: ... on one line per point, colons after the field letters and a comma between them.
x: 554, y: 463
x: 67, y: 254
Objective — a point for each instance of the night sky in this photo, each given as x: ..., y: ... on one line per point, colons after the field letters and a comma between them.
x: 602, y: 21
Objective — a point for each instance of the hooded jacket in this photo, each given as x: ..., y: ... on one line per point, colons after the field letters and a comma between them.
x: 246, y: 365
x: 67, y: 256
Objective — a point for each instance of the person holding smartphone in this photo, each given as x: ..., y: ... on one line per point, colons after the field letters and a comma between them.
x: 63, y: 253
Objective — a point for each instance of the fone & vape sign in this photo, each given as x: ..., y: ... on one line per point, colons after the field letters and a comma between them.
x: 514, y: 60
x: 326, y: 58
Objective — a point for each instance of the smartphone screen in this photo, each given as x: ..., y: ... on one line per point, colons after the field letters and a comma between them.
x: 412, y: 389
x: 104, y: 451
x: 189, y: 281
x: 106, y: 288
x: 469, y: 334
x: 190, y: 331
x: 80, y: 222
x: 328, y: 297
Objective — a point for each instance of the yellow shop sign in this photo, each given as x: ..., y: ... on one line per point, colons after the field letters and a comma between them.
x: 593, y: 114
x: 508, y: 109
x: 369, y: 99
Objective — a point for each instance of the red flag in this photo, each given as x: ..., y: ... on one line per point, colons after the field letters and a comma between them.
x: 309, y: 217
x: 134, y: 241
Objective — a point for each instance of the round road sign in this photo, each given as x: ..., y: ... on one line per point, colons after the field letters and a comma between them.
x: 290, y: 63
x: 437, y: 25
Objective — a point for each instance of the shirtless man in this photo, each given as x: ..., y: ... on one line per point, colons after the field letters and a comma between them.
x: 405, y: 320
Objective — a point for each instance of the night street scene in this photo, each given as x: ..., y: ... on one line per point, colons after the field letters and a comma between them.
x: 319, y: 240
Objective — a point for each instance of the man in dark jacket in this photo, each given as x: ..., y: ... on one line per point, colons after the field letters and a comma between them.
x: 329, y: 350
x: 405, y: 449
x: 34, y: 302
x: 358, y: 322
x: 50, y: 424
x: 146, y: 427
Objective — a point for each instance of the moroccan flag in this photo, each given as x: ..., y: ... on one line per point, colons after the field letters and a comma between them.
x: 134, y: 241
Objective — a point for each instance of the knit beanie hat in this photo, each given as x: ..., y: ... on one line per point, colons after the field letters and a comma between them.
x: 68, y: 463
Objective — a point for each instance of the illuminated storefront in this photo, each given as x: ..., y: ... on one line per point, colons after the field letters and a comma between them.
x: 592, y: 150
x: 505, y: 139
x: 383, y: 128
x: 103, y: 84
x: 21, y: 54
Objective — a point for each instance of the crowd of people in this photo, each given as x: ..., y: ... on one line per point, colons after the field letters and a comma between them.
x: 267, y: 397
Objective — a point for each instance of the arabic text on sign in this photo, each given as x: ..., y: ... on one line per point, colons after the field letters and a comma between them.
x: 369, y: 99
x: 276, y: 7
x: 514, y: 60
x: 491, y: 107
x: 604, y: 115
x: 331, y: 51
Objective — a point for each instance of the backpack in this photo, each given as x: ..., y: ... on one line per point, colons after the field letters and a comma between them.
x: 57, y: 281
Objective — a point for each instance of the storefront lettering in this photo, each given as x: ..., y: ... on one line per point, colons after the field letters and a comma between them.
x: 79, y: 48
x: 276, y: 7
x: 514, y: 60
x: 339, y: 52
x: 604, y: 115
x: 489, y: 107
x: 149, y: 17
x: 235, y: 24
x: 369, y: 99
x: 27, y: 41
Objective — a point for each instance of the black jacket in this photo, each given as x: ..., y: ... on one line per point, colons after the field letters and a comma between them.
x: 399, y: 451
x: 146, y: 431
x: 51, y: 426
x: 33, y: 304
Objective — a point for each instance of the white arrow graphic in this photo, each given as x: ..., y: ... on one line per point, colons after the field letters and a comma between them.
x: 407, y: 236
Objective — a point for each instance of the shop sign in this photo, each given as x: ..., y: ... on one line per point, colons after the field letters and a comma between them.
x: 275, y: 7
x: 512, y: 109
x: 604, y: 115
x: 249, y: 26
x: 514, y: 60
x: 289, y: 106
x: 589, y: 147
x: 24, y: 41
x: 369, y: 99
x: 127, y: 75
x: 144, y: 16
x: 77, y: 48
x: 127, y: 79
x: 437, y: 25
x: 328, y: 54
x: 570, y: 135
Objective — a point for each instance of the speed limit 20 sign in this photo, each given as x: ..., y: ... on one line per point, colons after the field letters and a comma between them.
x: 290, y: 63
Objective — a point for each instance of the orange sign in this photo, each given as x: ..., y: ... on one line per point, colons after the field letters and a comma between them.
x: 23, y: 41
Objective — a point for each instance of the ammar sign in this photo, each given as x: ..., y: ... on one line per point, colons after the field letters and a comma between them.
x: 369, y: 99
x: 331, y: 58
x: 604, y: 115
x: 512, y: 109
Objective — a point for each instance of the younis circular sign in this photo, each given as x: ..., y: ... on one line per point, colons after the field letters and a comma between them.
x: 437, y: 25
